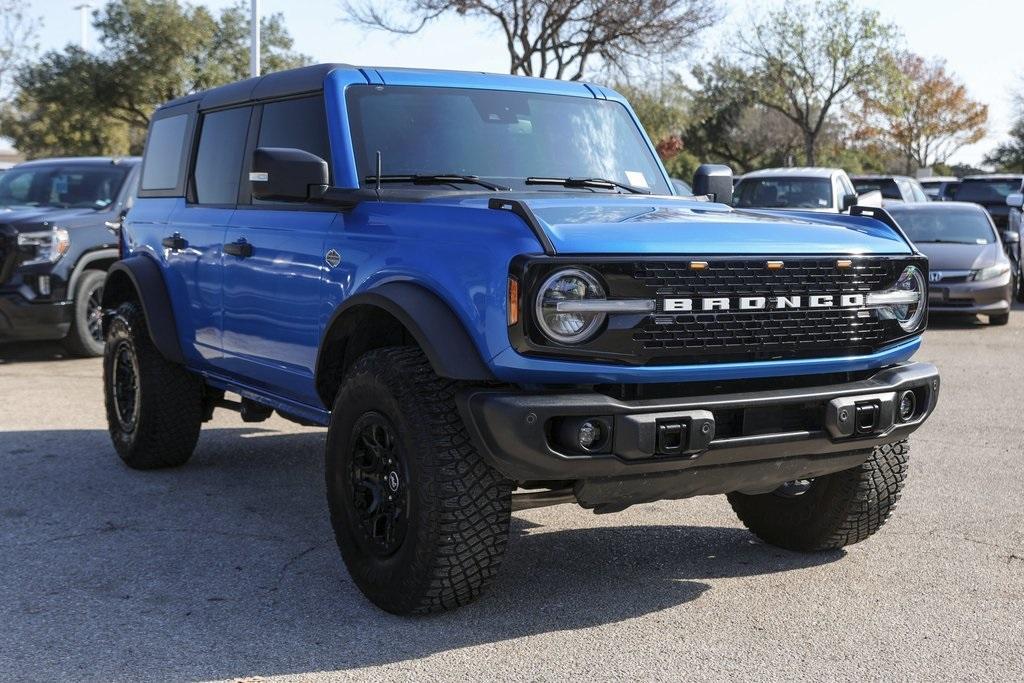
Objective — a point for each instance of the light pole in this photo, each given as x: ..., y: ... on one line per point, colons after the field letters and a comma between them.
x: 83, y: 13
x: 254, y: 39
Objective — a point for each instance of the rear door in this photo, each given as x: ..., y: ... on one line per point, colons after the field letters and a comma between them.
x: 196, y: 228
x: 271, y: 326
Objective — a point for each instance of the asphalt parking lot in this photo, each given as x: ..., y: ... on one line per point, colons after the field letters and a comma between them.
x: 227, y: 568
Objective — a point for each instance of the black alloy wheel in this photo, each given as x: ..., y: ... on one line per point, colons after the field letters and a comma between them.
x: 126, y: 386
x: 379, y: 484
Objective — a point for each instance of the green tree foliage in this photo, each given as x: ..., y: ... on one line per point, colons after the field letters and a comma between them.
x: 662, y: 109
x: 805, y: 61
x: 72, y: 102
x: 1009, y: 156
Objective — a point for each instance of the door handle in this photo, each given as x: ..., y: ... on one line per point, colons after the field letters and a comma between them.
x: 241, y: 249
x: 175, y: 242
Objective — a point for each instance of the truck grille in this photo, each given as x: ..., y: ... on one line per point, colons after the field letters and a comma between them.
x: 735, y: 335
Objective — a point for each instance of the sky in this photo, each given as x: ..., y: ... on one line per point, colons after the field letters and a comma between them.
x: 982, y: 42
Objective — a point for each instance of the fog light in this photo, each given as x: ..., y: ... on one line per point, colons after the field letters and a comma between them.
x: 584, y: 435
x: 589, y: 434
x: 908, y: 405
x: 44, y: 285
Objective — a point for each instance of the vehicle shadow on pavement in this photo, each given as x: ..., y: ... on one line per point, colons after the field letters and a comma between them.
x: 26, y: 352
x: 227, y: 567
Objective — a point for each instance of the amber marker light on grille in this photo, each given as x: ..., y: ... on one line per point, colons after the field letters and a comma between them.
x: 844, y: 263
x: 775, y: 265
x: 513, y: 301
x: 698, y: 265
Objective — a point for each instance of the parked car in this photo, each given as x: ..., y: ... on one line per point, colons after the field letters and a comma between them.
x: 681, y: 187
x: 58, y: 219
x: 480, y: 284
x: 827, y: 190
x: 991, y: 191
x: 894, y: 188
x: 940, y: 188
x: 1013, y: 236
x: 969, y: 271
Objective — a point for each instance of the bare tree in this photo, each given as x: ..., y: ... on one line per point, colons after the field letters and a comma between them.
x: 560, y: 38
x: 805, y: 59
x: 18, y: 33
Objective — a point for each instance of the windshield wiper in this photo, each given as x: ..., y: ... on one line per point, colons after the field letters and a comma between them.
x: 599, y: 183
x: 438, y: 179
x: 941, y: 241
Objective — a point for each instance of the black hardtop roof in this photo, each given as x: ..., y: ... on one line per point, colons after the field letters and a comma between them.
x: 84, y: 161
x: 278, y: 84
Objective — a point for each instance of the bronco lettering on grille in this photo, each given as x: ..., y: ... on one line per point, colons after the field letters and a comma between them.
x: 761, y: 303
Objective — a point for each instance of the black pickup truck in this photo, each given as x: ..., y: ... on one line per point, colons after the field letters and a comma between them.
x: 58, y: 236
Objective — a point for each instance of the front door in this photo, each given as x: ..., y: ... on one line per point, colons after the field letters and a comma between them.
x: 273, y: 266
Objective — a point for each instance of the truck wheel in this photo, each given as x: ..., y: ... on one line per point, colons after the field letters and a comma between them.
x: 85, y: 338
x: 421, y: 520
x: 1001, y: 319
x: 154, y: 407
x: 836, y: 510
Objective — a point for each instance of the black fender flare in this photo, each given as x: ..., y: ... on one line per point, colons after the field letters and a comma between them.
x: 430, y: 321
x: 142, y: 274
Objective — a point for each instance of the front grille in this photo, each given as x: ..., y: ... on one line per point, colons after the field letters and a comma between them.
x: 734, y: 335
x: 752, y: 278
x: 763, y: 335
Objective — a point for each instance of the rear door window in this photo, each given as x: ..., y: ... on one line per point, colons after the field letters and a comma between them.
x: 219, y: 157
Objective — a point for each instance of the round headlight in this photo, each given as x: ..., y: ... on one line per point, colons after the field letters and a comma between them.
x: 568, y: 326
x: 912, y: 283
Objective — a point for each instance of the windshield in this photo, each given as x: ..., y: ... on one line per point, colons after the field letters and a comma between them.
x: 887, y: 186
x: 503, y: 137
x: 988, y: 191
x: 963, y: 226
x: 59, y: 186
x: 778, y: 193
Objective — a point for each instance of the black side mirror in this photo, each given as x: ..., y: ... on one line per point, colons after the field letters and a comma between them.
x: 286, y: 174
x: 714, y: 180
x: 848, y: 201
x: 1011, y: 237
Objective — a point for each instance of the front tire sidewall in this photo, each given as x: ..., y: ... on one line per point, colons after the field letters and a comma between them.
x: 375, y: 575
x: 80, y: 341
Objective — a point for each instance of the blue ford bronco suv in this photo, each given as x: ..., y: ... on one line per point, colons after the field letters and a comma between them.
x: 487, y: 291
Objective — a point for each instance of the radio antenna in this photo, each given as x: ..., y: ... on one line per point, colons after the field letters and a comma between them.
x: 377, y: 188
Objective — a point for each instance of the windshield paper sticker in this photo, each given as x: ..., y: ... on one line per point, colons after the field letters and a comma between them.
x: 636, y: 179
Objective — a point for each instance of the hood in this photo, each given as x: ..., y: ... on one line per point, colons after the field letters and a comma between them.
x: 27, y: 218
x: 960, y: 256
x: 639, y: 224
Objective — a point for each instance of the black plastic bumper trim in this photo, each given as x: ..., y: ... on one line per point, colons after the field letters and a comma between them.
x: 510, y: 427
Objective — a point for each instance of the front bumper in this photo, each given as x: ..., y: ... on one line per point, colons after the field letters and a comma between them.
x: 22, y: 320
x: 989, y: 297
x: 739, y: 441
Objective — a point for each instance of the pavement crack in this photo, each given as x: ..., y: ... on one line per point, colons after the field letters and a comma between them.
x: 291, y: 561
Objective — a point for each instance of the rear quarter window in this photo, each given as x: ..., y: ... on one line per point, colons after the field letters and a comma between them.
x: 162, y: 166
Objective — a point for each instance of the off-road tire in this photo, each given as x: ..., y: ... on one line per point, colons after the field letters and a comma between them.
x: 457, y: 507
x: 86, y: 306
x: 838, y: 509
x: 169, y: 398
x: 1001, y: 319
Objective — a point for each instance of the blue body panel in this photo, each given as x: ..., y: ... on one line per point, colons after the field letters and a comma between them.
x: 255, y: 325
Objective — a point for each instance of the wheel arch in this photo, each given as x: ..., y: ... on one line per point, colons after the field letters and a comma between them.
x: 138, y: 278
x: 393, y: 314
x: 98, y: 259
